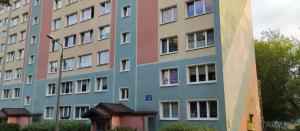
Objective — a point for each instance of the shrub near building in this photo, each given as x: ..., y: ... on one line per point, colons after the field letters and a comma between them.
x: 63, y: 126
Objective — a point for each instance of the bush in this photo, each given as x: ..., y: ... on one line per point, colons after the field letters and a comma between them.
x: 124, y: 129
x: 63, y: 126
x: 184, y: 127
x: 9, y: 127
x: 298, y: 128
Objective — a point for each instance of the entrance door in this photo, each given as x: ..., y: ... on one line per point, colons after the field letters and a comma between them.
x: 151, y: 123
x: 103, y: 125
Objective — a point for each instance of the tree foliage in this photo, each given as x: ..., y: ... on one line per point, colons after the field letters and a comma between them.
x: 278, y: 62
x: 5, y: 2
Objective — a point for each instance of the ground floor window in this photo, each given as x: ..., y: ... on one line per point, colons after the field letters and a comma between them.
x: 169, y: 110
x: 203, y: 110
x: 65, y: 112
x: 124, y: 94
x: 80, y: 110
x: 49, y: 113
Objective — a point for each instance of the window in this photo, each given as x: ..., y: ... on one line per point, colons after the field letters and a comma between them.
x: 125, y: 65
x: 104, y: 32
x: 68, y: 64
x: 70, y: 41
x: 20, y: 54
x: 124, y: 94
x: 16, y: 4
x: 199, y: 7
x: 203, y: 110
x: 6, y: 21
x: 125, y: 37
x: 57, y: 4
x: 169, y: 45
x: 18, y: 73
x: 22, y: 35
x: 36, y: 2
x: 70, y: 1
x: 85, y: 61
x: 202, y: 73
x: 101, y: 84
x: 53, y: 67
x: 8, y: 75
x: 10, y: 56
x: 86, y: 37
x: 35, y: 20
x: 14, y: 21
x: 169, y: 111
x: 79, y: 111
x: 200, y: 40
x: 87, y: 14
x: 27, y: 100
x: 83, y: 86
x: 168, y: 15
x: 55, y: 46
x: 66, y: 87
x: 24, y: 17
x: 126, y: 11
x: 33, y: 39
x: 31, y: 59
x: 16, y: 93
x: 65, y: 112
x: 56, y: 24
x: 71, y: 19
x: 169, y: 77
x: 49, y: 113
x: 1, y: 60
x: 103, y: 57
x: 3, y: 34
x: 50, y: 91
x: 29, y: 79
x: 5, y: 94
x: 12, y: 39
x: 2, y: 47
x: 105, y: 8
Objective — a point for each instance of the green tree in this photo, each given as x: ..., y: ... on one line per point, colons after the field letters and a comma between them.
x: 278, y: 62
x: 5, y: 2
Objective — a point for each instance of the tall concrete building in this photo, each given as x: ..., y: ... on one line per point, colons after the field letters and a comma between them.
x: 183, y: 60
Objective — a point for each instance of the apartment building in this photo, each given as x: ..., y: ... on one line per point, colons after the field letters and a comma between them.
x: 182, y: 60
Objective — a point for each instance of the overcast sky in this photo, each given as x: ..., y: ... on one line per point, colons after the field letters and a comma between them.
x: 276, y: 14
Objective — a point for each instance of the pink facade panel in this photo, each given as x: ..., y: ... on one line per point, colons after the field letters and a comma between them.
x: 147, y: 32
x: 133, y: 122
x: 42, y: 65
x: 112, y: 39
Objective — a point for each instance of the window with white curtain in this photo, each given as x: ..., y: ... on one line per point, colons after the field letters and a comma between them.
x: 103, y: 57
x: 70, y: 41
x: 104, y: 32
x: 68, y: 64
x: 71, y: 19
x: 85, y: 61
x: 105, y: 7
x: 87, y: 37
x: 87, y: 14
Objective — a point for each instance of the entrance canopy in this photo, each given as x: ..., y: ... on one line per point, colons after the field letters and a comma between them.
x: 107, y: 110
x: 14, y: 112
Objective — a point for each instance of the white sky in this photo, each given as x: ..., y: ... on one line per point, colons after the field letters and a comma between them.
x: 276, y: 14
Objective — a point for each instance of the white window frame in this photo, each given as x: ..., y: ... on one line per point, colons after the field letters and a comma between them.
x: 121, y: 66
x: 31, y: 60
x: 174, y: 17
x: 14, y: 93
x: 168, y: 46
x: 198, y: 109
x: 35, y: 20
x: 61, y: 110
x: 19, y: 73
x: 10, y: 56
x: 72, y: 64
x: 127, y: 94
x: 197, y: 76
x: 170, y: 108
x: 79, y: 106
x: 64, y: 84
x: 57, y: 4
x: 22, y: 36
x: 161, y: 77
x: 27, y: 100
x: 8, y: 75
x: 123, y: 13
x: 195, y: 40
x: 195, y: 12
x: 87, y: 88
x: 83, y: 13
x: 82, y: 36
x: 102, y: 34
x: 123, y: 38
x: 56, y: 24
x: 101, y: 84
x: 106, y: 8
x: 29, y: 79
x: 50, y: 88
x: 67, y: 39
x: 86, y: 65
x: 4, y: 94
x: 51, y: 115
x: 75, y: 15
x: 100, y: 61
